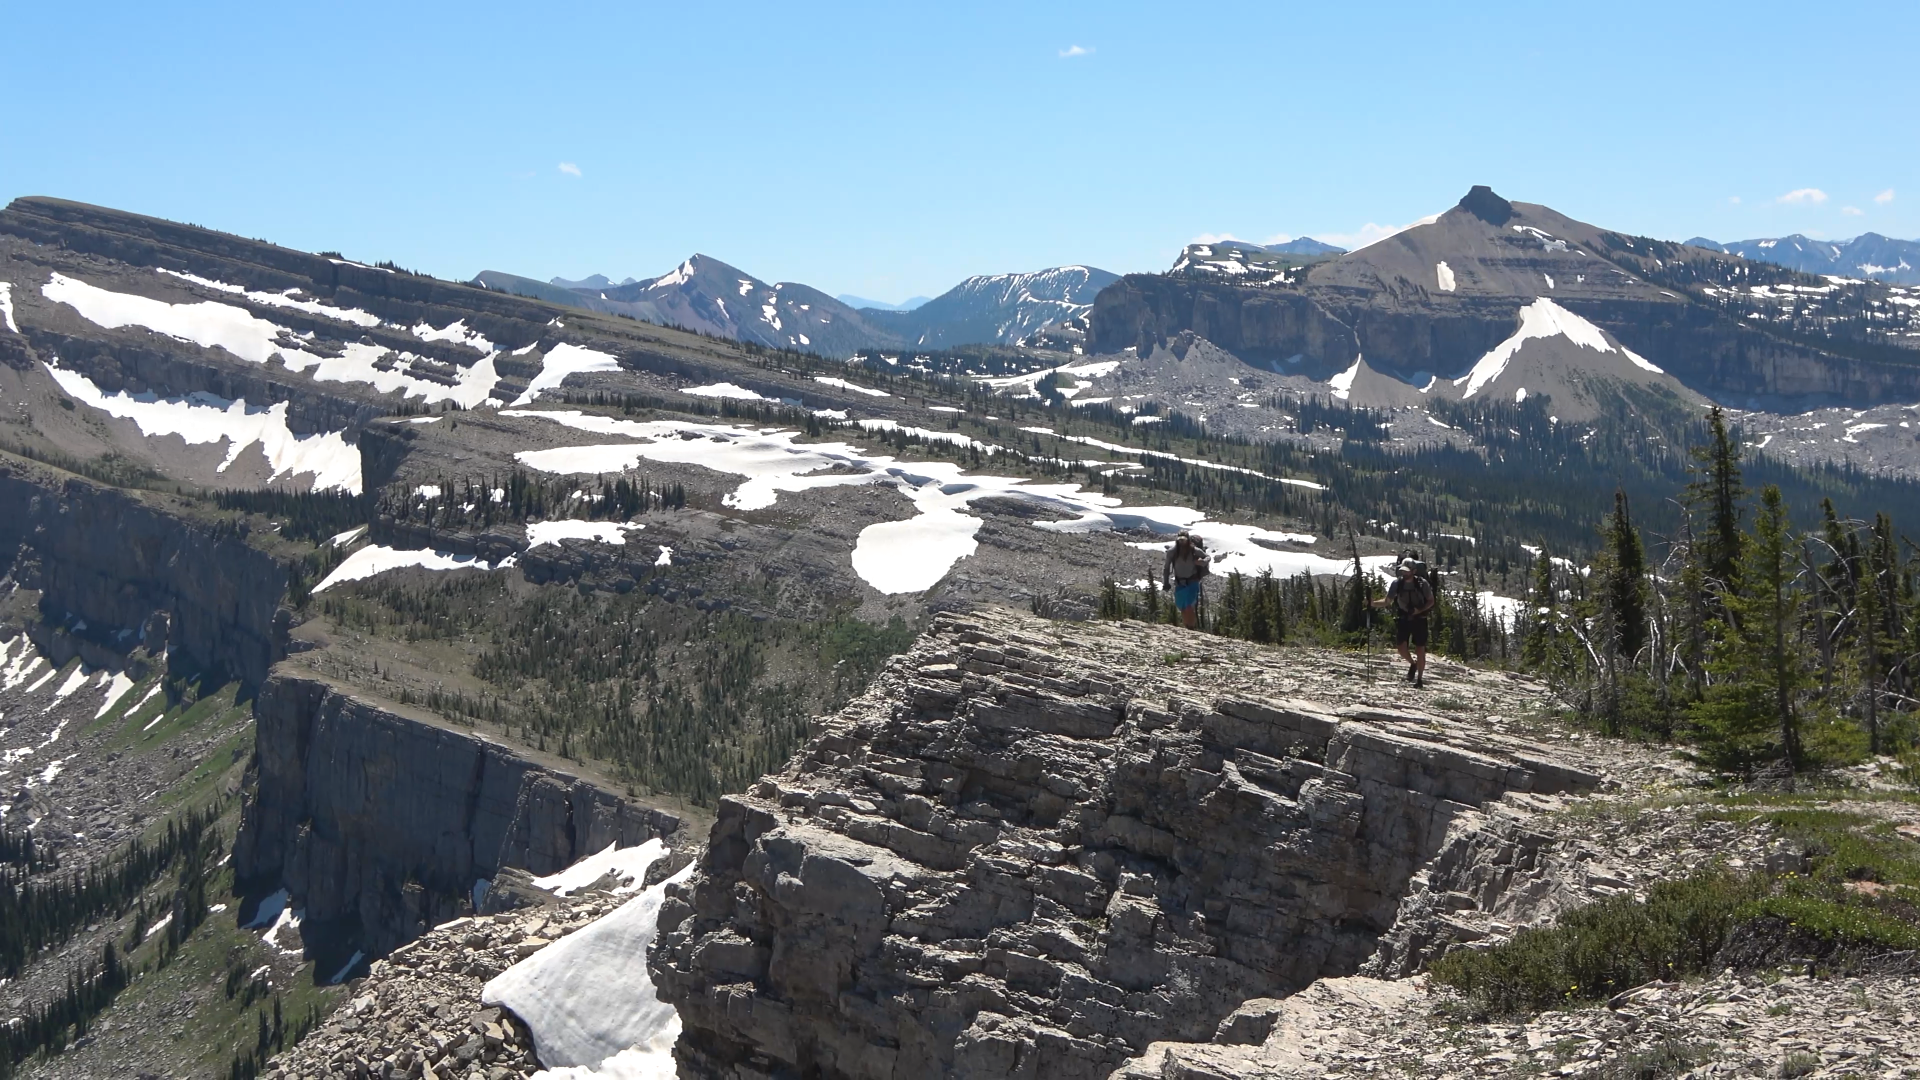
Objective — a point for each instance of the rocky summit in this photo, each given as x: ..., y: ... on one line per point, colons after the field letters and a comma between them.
x: 1036, y: 849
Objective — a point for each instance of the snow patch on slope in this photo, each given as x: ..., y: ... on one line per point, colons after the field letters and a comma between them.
x: 6, y: 306
x: 561, y: 361
x: 588, y: 999
x: 552, y: 532
x: 211, y: 324
x: 378, y: 559
x: 289, y: 299
x: 202, y: 418
x: 892, y: 556
x: 829, y: 380
x: 1543, y: 319
x: 1343, y: 383
x: 629, y: 864
x: 1445, y: 274
x: 724, y: 390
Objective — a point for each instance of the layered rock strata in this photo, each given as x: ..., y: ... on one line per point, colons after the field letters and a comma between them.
x: 120, y: 574
x: 1022, y: 853
x: 384, y: 823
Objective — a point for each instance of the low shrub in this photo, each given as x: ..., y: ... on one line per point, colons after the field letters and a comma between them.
x: 1605, y: 948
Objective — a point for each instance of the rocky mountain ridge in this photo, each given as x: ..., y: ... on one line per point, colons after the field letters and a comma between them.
x: 706, y: 295
x: 1431, y: 301
x: 1868, y: 255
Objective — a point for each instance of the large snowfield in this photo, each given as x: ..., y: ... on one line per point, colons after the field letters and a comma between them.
x: 588, y: 999
x: 914, y: 554
x: 201, y: 418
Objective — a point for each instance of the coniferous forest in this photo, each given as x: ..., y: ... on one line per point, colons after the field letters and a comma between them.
x: 1767, y: 641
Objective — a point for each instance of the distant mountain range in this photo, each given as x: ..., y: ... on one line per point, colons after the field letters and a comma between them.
x: 709, y: 296
x: 1868, y: 255
x: 1510, y: 301
x: 591, y: 281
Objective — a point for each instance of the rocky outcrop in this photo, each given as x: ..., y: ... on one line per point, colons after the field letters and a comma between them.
x: 1015, y: 858
x: 122, y: 574
x: 381, y: 824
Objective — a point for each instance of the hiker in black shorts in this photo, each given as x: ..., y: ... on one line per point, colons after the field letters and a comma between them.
x: 1411, y: 597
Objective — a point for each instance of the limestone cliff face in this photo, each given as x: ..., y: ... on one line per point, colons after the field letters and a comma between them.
x: 1012, y: 859
x: 137, y: 576
x: 375, y: 819
x: 1259, y: 325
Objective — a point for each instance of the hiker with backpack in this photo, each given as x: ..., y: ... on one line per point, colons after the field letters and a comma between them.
x: 1411, y: 595
x: 1187, y: 562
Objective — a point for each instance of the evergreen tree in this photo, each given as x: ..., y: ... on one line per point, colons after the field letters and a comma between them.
x: 1543, y: 603
x: 1717, y: 491
x: 1626, y: 583
x: 1353, y: 617
x: 1752, y: 710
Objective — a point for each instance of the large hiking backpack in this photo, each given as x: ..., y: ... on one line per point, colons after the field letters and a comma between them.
x: 1421, y: 594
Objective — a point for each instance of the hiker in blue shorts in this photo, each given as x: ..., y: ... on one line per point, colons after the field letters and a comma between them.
x: 1187, y: 563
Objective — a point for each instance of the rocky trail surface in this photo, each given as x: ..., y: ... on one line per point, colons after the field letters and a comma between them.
x: 1729, y: 1026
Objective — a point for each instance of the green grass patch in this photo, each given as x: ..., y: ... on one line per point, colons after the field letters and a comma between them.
x: 1847, y: 923
x: 1850, y: 847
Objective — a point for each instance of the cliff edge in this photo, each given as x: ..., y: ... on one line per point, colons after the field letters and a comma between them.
x: 1034, y: 849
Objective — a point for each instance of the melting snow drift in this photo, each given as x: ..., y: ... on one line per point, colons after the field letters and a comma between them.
x: 588, y: 999
x: 202, y: 418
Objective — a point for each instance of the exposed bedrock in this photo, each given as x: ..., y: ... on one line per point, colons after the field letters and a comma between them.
x: 381, y: 824
x: 1265, y: 326
x: 1007, y: 859
x: 125, y: 575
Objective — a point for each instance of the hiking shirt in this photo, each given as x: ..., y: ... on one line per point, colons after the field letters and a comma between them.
x: 1409, y: 596
x: 1187, y: 567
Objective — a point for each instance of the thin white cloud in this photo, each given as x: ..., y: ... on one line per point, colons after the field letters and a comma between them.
x: 1810, y: 195
x: 1370, y: 233
x: 1734, y: 199
x: 1076, y: 50
x: 1852, y: 211
x: 570, y: 168
x: 1884, y: 197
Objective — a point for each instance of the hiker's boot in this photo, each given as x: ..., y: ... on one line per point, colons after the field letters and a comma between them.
x: 1413, y: 671
x: 1420, y: 679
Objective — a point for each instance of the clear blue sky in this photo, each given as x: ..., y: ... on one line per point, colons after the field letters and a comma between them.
x: 888, y: 150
